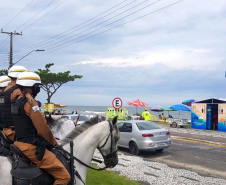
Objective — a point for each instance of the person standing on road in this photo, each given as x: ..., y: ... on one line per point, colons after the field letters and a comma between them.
x: 32, y: 131
x: 146, y: 115
x: 9, y: 93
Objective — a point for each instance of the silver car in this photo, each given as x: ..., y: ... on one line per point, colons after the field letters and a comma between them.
x: 137, y: 135
x: 82, y: 118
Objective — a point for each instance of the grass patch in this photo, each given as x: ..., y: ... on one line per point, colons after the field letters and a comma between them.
x: 107, y: 178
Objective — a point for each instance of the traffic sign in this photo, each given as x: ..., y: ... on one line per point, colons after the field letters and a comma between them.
x: 117, y: 103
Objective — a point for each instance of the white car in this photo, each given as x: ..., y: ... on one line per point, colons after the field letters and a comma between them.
x: 137, y: 135
x: 82, y: 118
x: 178, y: 122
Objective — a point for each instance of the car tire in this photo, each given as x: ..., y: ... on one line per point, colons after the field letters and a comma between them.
x: 133, y: 148
x: 174, y: 125
x: 159, y: 150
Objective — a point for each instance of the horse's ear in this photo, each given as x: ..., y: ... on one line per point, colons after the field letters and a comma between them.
x: 115, y: 119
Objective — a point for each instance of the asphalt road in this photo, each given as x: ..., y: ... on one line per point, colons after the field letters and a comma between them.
x: 204, y: 158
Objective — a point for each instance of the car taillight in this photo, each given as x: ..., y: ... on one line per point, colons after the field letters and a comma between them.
x: 168, y: 133
x: 147, y: 135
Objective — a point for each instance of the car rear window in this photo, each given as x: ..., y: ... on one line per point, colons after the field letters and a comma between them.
x: 147, y: 126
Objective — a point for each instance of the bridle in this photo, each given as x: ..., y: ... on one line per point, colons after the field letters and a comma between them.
x: 108, y: 159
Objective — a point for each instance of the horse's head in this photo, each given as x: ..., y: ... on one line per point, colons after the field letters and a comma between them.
x: 108, y: 146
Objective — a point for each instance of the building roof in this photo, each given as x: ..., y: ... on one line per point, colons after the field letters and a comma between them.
x: 212, y: 101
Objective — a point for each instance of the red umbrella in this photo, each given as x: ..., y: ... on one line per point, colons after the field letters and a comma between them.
x: 137, y: 103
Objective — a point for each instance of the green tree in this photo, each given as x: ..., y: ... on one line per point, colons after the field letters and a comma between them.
x: 53, y: 81
x: 3, y: 72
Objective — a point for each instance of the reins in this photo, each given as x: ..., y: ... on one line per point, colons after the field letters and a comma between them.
x: 78, y: 160
x: 93, y: 159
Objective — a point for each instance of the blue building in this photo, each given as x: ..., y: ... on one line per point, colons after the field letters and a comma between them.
x: 209, y: 114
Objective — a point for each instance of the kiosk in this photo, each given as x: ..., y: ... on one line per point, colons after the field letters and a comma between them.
x: 122, y: 113
x: 209, y: 114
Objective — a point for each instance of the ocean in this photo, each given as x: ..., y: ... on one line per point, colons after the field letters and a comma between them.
x: 132, y: 110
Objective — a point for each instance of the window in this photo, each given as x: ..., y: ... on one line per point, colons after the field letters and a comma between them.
x: 147, y: 125
x: 65, y: 117
x: 125, y: 127
x: 120, y: 126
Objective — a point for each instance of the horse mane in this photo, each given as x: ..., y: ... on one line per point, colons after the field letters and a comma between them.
x: 81, y: 128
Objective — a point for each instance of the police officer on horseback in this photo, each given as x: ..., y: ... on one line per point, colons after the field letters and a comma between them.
x: 4, y: 80
x: 9, y: 93
x: 32, y: 131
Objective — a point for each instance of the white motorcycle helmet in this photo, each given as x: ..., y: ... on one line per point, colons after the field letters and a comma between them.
x: 29, y: 79
x: 4, y: 80
x: 15, y: 71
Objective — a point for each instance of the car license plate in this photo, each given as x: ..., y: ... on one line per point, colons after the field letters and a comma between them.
x: 161, y: 144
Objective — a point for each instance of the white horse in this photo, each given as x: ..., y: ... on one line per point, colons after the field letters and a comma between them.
x: 87, y: 137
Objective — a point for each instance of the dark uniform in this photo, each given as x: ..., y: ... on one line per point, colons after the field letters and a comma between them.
x: 10, y: 92
x: 1, y: 126
x: 32, y: 133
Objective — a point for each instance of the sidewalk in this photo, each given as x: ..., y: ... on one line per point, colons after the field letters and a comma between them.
x: 210, y: 136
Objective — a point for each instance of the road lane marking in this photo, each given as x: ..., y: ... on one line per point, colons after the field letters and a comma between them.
x: 199, y: 142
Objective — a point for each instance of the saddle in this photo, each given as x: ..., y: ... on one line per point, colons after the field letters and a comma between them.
x: 24, y: 172
x: 4, y: 145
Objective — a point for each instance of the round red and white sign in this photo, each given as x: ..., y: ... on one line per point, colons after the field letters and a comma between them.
x: 117, y: 103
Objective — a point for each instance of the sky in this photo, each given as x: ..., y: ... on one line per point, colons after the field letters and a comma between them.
x: 161, y: 52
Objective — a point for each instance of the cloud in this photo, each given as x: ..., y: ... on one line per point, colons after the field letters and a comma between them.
x: 188, y: 58
x: 162, y: 59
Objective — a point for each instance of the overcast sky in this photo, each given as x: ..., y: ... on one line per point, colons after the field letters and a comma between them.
x: 169, y: 55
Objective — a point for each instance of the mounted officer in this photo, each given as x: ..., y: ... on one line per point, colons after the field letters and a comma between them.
x: 9, y: 93
x: 4, y: 80
x: 32, y: 131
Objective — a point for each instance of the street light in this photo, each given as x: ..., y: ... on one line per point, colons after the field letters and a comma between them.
x: 37, y: 50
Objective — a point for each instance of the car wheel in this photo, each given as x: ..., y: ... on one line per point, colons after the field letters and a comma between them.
x: 159, y: 150
x: 133, y: 148
x: 174, y: 124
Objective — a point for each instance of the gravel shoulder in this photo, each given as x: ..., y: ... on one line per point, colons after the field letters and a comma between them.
x: 149, y: 172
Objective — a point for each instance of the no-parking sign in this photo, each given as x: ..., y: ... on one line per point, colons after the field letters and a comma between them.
x: 117, y: 103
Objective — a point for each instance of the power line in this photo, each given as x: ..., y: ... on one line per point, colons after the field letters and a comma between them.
x: 35, y: 15
x: 5, y: 46
x: 18, y: 13
x: 76, y: 26
x: 105, y: 21
x: 3, y: 41
x: 109, y: 19
x: 111, y: 28
x: 44, y: 15
x: 94, y: 22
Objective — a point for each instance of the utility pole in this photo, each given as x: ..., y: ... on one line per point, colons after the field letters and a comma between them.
x: 11, y: 45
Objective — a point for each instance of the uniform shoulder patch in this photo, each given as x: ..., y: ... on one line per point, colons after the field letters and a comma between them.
x: 36, y: 108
